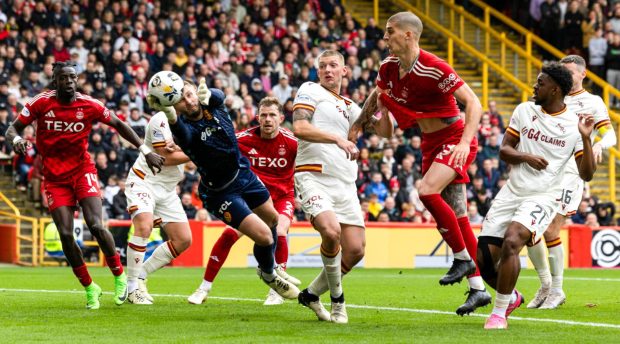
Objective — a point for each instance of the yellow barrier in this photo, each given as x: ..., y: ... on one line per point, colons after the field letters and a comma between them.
x: 45, y: 260
x: 19, y: 238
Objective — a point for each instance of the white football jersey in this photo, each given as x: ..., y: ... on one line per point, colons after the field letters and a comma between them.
x: 334, y: 114
x: 554, y: 137
x: 584, y: 102
x: 157, y: 132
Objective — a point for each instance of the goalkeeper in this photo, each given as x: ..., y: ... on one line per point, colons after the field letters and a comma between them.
x: 228, y: 188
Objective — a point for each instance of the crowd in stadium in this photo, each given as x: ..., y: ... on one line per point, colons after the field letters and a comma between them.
x: 251, y: 49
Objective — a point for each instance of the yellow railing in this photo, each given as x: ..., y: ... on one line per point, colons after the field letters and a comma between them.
x: 456, y: 17
x: 47, y: 261
x: 32, y: 239
x: 485, y: 60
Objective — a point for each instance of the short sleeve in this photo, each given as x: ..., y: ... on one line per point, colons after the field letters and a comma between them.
x: 382, y: 77
x: 102, y: 113
x: 305, y: 98
x: 449, y: 81
x: 28, y: 114
x: 601, y: 116
x: 514, y: 127
x: 578, y: 147
x: 158, y: 131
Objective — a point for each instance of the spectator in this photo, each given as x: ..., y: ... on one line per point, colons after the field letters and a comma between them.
x: 489, y: 175
x: 605, y: 213
x: 597, y: 48
x: 474, y: 216
x: 592, y: 221
x: 374, y: 207
x: 190, y: 209
x: 104, y: 171
x: 377, y: 188
x: 389, y: 208
x: 119, y: 203
x: 550, y: 18
x: 582, y: 212
x: 202, y: 215
x: 612, y: 62
x: 282, y: 90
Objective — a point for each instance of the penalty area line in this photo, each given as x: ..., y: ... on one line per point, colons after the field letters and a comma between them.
x: 377, y: 308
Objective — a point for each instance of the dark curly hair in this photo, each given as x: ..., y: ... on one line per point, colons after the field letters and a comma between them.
x: 560, y: 74
x: 56, y: 68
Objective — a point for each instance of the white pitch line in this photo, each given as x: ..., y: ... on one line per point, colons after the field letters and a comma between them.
x: 596, y: 279
x: 381, y: 308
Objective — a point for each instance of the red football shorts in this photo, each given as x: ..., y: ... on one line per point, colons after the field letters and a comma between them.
x: 68, y: 192
x: 285, y: 205
x: 437, y: 147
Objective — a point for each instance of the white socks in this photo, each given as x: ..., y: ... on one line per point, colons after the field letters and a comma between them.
x: 319, y: 286
x: 332, y: 271
x: 206, y: 285
x: 501, y: 304
x: 556, y: 263
x: 136, y: 247
x: 539, y: 260
x: 476, y: 283
x: 160, y: 258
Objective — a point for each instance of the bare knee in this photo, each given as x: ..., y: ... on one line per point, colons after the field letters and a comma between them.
x: 513, y: 244
x: 355, y: 253
x: 264, y: 238
x: 425, y: 189
x: 331, y: 235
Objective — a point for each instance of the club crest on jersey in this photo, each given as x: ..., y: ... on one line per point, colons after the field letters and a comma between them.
x: 207, y: 114
x: 79, y: 114
x: 559, y: 125
x: 282, y: 150
x: 404, y: 92
x: 580, y: 103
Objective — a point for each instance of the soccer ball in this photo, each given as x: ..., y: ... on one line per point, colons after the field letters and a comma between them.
x: 166, y: 87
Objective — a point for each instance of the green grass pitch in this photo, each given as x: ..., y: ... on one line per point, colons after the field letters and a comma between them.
x: 384, y: 306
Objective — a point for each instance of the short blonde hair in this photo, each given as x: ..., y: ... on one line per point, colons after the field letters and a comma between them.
x: 408, y: 21
x: 328, y: 53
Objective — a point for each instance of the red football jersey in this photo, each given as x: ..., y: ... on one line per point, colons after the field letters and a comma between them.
x: 272, y: 160
x: 62, y: 131
x: 424, y: 92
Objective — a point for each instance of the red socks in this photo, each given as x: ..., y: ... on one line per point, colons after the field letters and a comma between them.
x: 282, y: 251
x: 81, y: 272
x: 447, y: 224
x: 114, y: 263
x: 219, y: 253
x: 470, y: 241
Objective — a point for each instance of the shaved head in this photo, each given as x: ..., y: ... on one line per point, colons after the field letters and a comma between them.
x: 407, y: 21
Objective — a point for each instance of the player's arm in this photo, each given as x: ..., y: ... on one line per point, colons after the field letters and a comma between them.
x: 608, y: 139
x: 586, y: 164
x: 368, y: 110
x: 153, y: 160
x: 303, y: 129
x: 509, y: 153
x: 171, y: 158
x: 20, y: 145
x: 473, y: 113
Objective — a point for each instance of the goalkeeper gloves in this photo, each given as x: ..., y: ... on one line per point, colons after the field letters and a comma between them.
x: 204, y: 94
x: 169, y: 111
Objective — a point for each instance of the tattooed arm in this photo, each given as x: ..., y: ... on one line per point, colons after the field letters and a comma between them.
x: 305, y: 130
x: 454, y: 195
x: 370, y: 108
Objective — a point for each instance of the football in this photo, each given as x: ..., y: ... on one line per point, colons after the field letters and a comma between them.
x: 166, y: 87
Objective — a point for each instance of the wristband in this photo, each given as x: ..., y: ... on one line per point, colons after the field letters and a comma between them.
x: 17, y: 138
x: 145, y: 150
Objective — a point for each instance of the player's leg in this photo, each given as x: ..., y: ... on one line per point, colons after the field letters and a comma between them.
x: 136, y: 248
x: 455, y: 196
x: 63, y: 218
x: 435, y: 180
x: 92, y: 209
x: 218, y: 256
x: 538, y: 257
x: 508, y: 268
x: 281, y: 259
x: 140, y: 205
x: 556, y: 295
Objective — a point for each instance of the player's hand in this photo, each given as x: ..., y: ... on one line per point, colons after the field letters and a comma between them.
x: 537, y: 162
x: 204, y: 94
x: 459, y: 155
x: 169, y: 111
x: 597, y: 152
x: 349, y: 148
x: 22, y: 146
x: 354, y: 131
x: 586, y: 125
x: 154, y: 161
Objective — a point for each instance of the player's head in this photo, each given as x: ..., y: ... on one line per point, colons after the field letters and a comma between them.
x: 553, y: 83
x: 64, y: 80
x: 331, y: 69
x: 270, y: 115
x: 577, y: 67
x: 188, y: 106
x: 402, y: 31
